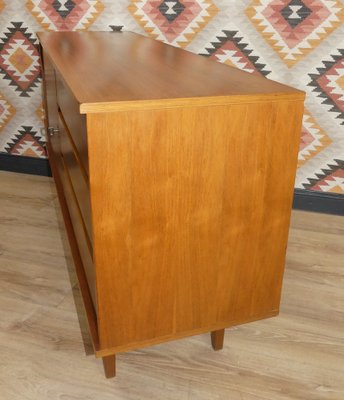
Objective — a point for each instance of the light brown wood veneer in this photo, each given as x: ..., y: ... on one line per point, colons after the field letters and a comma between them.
x: 190, y: 167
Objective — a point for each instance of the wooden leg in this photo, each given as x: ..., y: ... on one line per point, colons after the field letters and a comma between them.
x: 217, y: 339
x: 109, y: 363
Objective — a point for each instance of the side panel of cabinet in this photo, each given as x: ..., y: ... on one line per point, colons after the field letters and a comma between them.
x: 191, y: 211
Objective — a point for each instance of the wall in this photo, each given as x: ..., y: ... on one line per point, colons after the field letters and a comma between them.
x: 300, y: 43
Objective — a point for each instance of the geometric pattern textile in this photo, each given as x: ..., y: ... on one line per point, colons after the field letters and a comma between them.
x: 295, y: 28
x: 19, y: 58
x: 329, y: 179
x: 7, y: 111
x: 297, y: 42
x: 313, y: 139
x: 26, y: 143
x: 231, y: 48
x: 328, y: 83
x: 62, y: 15
x: 175, y: 22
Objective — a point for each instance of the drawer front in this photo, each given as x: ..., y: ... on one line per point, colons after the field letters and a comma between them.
x: 51, y: 108
x: 77, y: 174
x: 79, y: 231
x: 49, y: 90
x: 75, y: 122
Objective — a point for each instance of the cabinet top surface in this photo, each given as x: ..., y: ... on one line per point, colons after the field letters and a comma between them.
x: 109, y: 70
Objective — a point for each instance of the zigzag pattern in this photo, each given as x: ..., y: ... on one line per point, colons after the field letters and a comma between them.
x: 246, y: 55
x: 313, y: 139
x: 77, y: 15
x: 292, y: 41
x: 14, y: 35
x: 180, y: 31
x: 335, y: 101
x: 329, y: 179
x: 292, y: 44
x: 27, y: 142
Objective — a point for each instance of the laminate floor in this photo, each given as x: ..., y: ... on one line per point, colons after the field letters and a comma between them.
x: 44, y: 339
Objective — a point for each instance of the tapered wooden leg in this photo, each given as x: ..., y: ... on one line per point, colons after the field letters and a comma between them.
x: 109, y: 363
x: 217, y: 338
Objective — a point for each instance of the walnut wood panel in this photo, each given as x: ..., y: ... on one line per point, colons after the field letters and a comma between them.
x: 78, y: 179
x: 79, y: 231
x: 75, y: 122
x: 135, y: 69
x: 199, y: 224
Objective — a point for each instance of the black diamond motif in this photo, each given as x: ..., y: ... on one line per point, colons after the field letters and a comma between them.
x: 19, y: 32
x: 295, y: 12
x: 171, y: 9
x: 64, y: 9
x: 235, y: 38
x: 317, y: 88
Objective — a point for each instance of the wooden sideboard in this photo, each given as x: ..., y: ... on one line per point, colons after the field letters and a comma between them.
x: 175, y: 176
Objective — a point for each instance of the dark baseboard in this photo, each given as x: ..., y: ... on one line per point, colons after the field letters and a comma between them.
x: 25, y: 165
x: 308, y: 200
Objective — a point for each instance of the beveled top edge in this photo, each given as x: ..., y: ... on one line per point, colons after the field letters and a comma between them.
x: 88, y: 108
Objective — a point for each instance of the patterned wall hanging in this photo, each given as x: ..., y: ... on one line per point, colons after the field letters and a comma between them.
x: 298, y: 42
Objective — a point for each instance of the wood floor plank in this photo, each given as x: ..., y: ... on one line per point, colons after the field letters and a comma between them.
x: 298, y: 355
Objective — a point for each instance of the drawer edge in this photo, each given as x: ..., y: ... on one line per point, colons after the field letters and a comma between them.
x: 79, y: 269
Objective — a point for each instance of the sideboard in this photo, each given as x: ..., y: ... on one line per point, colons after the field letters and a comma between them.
x: 175, y: 177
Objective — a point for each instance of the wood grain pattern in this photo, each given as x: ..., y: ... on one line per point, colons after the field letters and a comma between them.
x: 79, y: 232
x: 80, y: 244
x: 182, y: 213
x: 78, y: 177
x: 192, y: 252
x: 295, y: 356
x: 83, y: 264
x: 76, y: 123
x: 103, y: 107
x: 137, y: 71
